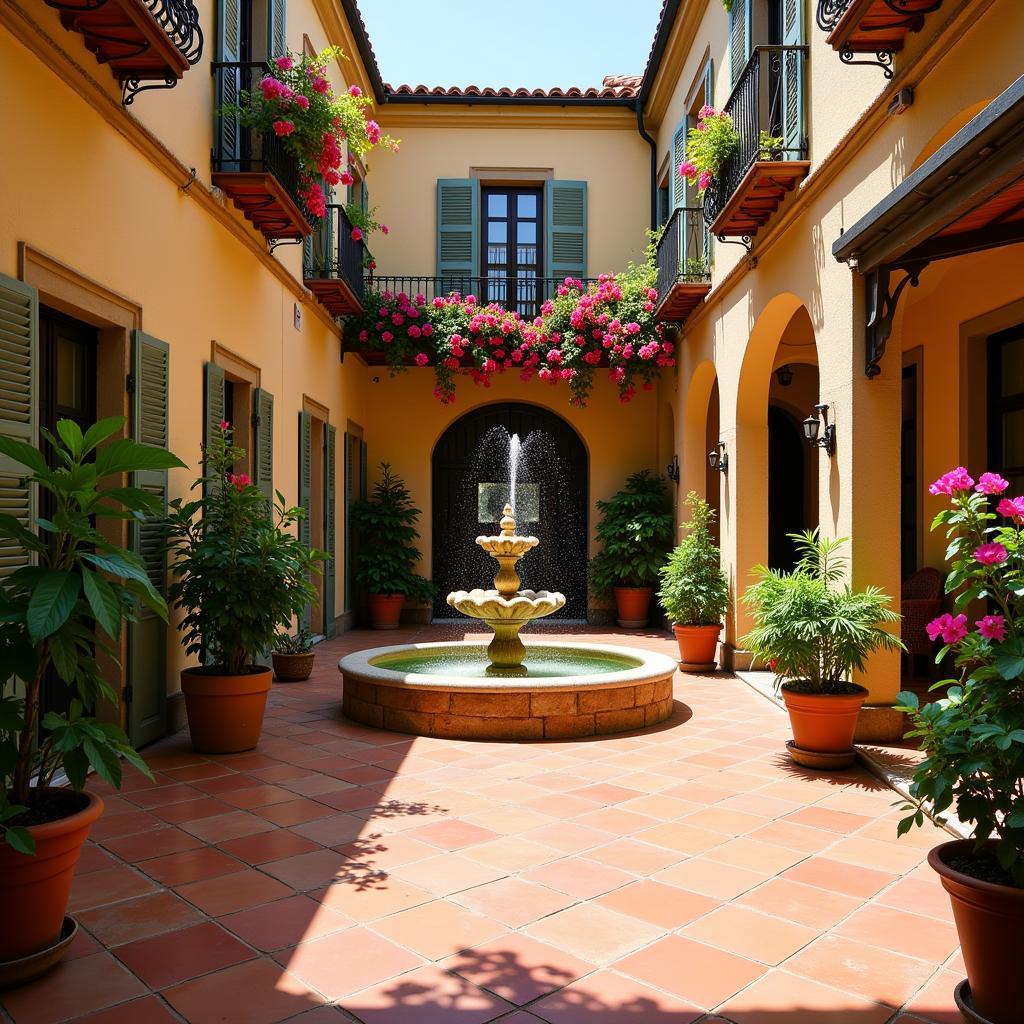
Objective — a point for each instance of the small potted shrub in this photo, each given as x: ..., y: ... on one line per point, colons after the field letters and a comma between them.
x: 240, y: 574
x: 293, y: 656
x: 58, y: 615
x: 386, y: 526
x: 814, y: 631
x: 635, y: 531
x: 709, y: 144
x: 694, y: 590
x: 973, y: 739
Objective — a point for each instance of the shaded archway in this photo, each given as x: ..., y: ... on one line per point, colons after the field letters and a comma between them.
x: 470, y: 474
x: 700, y: 423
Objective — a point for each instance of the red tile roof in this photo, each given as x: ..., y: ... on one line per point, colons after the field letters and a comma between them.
x: 608, y: 91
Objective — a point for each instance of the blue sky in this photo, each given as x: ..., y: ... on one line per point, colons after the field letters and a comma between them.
x: 539, y: 44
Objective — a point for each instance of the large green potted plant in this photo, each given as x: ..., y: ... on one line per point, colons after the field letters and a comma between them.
x: 239, y: 575
x: 60, y: 615
x: 814, y: 631
x: 694, y: 590
x: 385, y: 525
x: 635, y: 531
x: 973, y: 739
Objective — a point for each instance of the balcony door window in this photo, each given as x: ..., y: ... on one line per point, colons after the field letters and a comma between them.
x: 1006, y: 406
x: 512, y: 251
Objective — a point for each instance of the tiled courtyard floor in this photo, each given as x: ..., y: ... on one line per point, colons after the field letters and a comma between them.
x: 689, y: 873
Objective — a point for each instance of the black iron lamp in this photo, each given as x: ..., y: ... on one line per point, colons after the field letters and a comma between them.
x: 718, y: 458
x: 813, y: 425
x: 784, y: 375
x: 672, y: 470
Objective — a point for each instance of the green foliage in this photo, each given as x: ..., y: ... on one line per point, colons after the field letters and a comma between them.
x: 769, y: 147
x: 300, y: 643
x: 694, y: 589
x: 812, y: 628
x: 67, y: 609
x: 709, y: 143
x: 635, y: 531
x: 240, y: 573
x: 386, y: 527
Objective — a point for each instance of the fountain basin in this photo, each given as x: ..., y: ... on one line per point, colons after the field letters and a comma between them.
x: 570, y: 691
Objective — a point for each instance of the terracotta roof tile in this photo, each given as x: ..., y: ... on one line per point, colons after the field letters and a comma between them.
x: 626, y: 90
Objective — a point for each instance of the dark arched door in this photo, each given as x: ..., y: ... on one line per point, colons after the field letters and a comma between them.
x: 786, y: 487
x: 471, y: 484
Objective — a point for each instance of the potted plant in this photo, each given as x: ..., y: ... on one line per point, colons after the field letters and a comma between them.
x: 634, y: 532
x: 973, y: 739
x: 293, y: 656
x: 239, y: 575
x: 709, y: 143
x: 58, y: 616
x: 814, y: 631
x: 386, y: 526
x: 694, y: 590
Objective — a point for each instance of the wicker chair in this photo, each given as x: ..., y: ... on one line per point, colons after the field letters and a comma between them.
x: 920, y: 602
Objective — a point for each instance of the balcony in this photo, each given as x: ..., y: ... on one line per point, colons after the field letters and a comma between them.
x: 332, y: 266
x: 684, y: 277
x: 256, y: 171
x: 768, y: 101
x: 877, y: 27
x: 149, y: 44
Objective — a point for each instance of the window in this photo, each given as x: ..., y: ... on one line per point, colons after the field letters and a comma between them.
x: 512, y: 249
x: 1006, y: 406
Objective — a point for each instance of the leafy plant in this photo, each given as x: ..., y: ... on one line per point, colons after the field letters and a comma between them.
x: 240, y: 573
x: 694, y: 589
x: 300, y: 643
x: 60, y: 611
x: 974, y: 736
x: 386, y: 525
x: 635, y: 531
x: 812, y: 628
x: 769, y: 147
x: 709, y: 143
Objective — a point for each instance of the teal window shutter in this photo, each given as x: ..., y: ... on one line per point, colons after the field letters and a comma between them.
x: 740, y: 17
x: 263, y: 443
x: 213, y: 400
x: 277, y: 37
x: 330, y: 526
x: 19, y: 405
x: 227, y: 130
x: 458, y: 232
x: 677, y: 183
x: 147, y: 632
x: 306, y: 494
x: 565, y: 229
x: 792, y: 79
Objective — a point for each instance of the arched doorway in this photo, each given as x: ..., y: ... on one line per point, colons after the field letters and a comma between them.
x: 787, y: 474
x: 471, y: 482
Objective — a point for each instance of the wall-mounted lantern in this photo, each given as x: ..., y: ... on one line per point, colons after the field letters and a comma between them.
x: 672, y: 470
x: 784, y: 375
x: 718, y: 459
x: 813, y: 425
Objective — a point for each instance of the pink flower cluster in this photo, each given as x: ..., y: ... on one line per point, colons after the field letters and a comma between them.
x: 239, y: 480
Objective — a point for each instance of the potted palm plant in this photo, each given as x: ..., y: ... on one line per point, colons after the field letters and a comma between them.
x: 973, y: 739
x: 814, y: 630
x: 293, y: 656
x: 240, y: 574
x: 59, y: 615
x: 694, y: 590
x: 635, y: 531
x: 386, y: 527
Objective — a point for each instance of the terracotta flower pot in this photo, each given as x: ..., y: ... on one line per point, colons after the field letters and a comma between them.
x: 34, y: 890
x: 386, y: 610
x: 990, y: 922
x: 698, y: 647
x: 823, y: 726
x: 292, y: 668
x: 633, y: 605
x: 225, y: 713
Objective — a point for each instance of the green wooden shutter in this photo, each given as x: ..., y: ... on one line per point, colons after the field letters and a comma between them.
x: 678, y: 182
x: 740, y: 17
x: 277, y: 37
x: 147, y: 634
x: 458, y: 232
x: 213, y: 400
x: 227, y: 130
x: 263, y: 443
x: 792, y: 78
x: 565, y: 223
x: 306, y: 494
x: 19, y: 404
x: 330, y: 525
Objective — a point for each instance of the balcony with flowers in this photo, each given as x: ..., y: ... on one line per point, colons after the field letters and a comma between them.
x: 682, y: 260
x: 334, y: 257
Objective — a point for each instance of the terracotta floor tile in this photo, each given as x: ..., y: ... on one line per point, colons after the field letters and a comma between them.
x: 513, y: 901
x: 453, y: 835
x: 921, y: 937
x: 512, y: 854
x: 177, y: 956
x: 259, y: 795
x: 636, y: 857
x: 664, y: 905
x: 794, y: 836
x: 579, y: 877
x: 190, y: 866
x: 198, y: 771
x: 919, y: 896
x: 386, y: 851
x: 285, y: 922
x: 750, y: 934
x: 350, y: 798
x: 267, y: 846
x: 367, y: 899
x: 935, y: 1002
x: 93, y: 858
x: 138, y: 918
x: 110, y: 885
x: 157, y: 843
x: 711, y: 877
x: 764, y: 858
x: 607, y: 997
x: 191, y: 810
x: 294, y: 811
x: 890, y: 857
x: 841, y: 822
x: 221, y: 827
x: 594, y: 933
x: 606, y: 793
x: 682, y: 836
x: 438, y: 929
x: 83, y: 944
x: 783, y: 998
x: 149, y: 1010
x: 804, y: 904
x: 727, y: 820
x: 444, y: 874
x: 835, y: 876
x: 310, y: 870
x: 332, y: 830
x: 113, y: 826
x: 229, y: 893
x: 570, y: 837
x: 161, y: 795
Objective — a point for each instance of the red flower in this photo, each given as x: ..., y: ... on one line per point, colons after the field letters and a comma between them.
x: 357, y: 235
x: 284, y: 127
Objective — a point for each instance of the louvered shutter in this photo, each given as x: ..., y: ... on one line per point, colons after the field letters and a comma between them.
x: 792, y: 79
x: 147, y: 634
x: 709, y: 100
x: 565, y: 217
x: 263, y: 443
x: 277, y: 37
x: 678, y: 182
x: 19, y: 402
x: 226, y: 129
x: 458, y: 233
x: 739, y: 37
x: 330, y: 526
x: 306, y: 494
x: 347, y: 485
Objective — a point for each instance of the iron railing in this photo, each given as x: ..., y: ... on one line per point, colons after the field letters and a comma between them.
x: 830, y: 12
x: 768, y: 99
x: 332, y: 253
x: 683, y: 250
x: 524, y: 295
x: 180, y: 20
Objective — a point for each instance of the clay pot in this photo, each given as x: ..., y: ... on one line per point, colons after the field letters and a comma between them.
x: 823, y: 725
x: 292, y: 668
x: 225, y: 713
x: 990, y: 922
x: 34, y: 890
x: 633, y: 605
x: 386, y: 610
x: 698, y: 646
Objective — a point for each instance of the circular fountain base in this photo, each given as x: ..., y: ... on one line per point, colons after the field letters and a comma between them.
x: 445, y: 689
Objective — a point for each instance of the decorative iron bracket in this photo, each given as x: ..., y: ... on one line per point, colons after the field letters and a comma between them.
x: 883, y: 59
x: 131, y: 87
x: 882, y: 300
x: 275, y: 243
x: 746, y: 241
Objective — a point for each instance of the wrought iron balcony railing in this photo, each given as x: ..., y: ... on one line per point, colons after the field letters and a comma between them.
x: 333, y: 263
x: 683, y: 255
x: 767, y: 102
x: 829, y: 12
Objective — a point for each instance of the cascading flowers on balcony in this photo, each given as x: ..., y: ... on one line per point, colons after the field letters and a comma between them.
x: 295, y: 102
x: 709, y: 143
